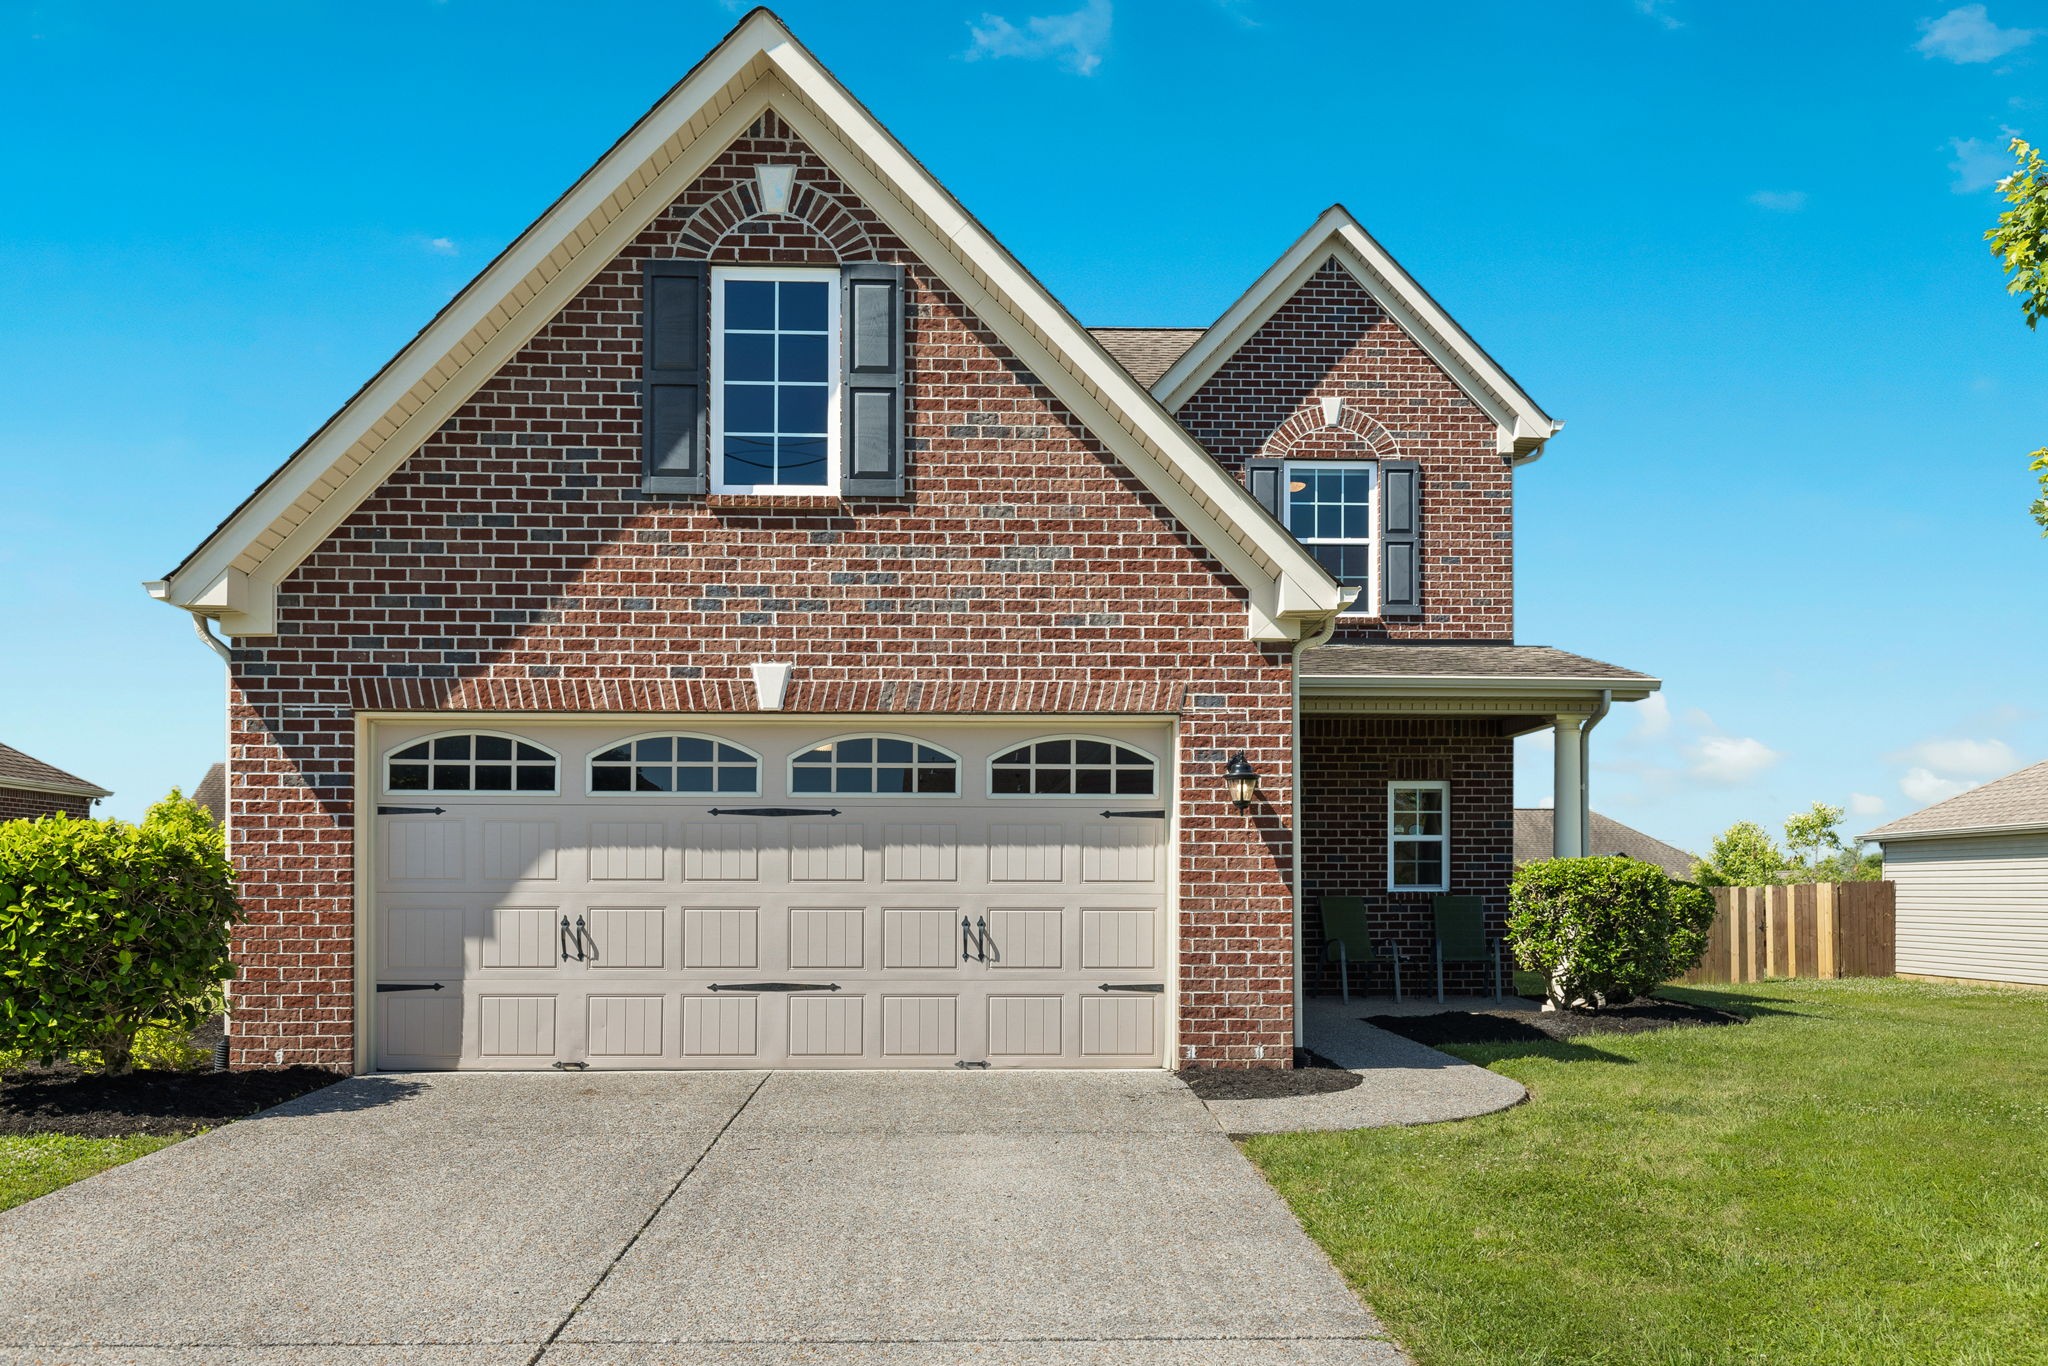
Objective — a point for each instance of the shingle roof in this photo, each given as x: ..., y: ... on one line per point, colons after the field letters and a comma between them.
x: 1536, y: 838
x: 212, y: 792
x: 1147, y: 352
x: 18, y: 770
x: 1454, y: 660
x: 2018, y: 799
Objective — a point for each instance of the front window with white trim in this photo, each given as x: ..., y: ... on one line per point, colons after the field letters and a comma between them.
x: 1418, y: 836
x: 775, y: 380
x: 1329, y: 508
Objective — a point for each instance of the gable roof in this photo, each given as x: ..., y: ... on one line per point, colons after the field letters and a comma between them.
x: 1536, y: 838
x: 233, y: 576
x: 26, y: 773
x: 1337, y: 236
x: 1147, y: 352
x: 2018, y: 801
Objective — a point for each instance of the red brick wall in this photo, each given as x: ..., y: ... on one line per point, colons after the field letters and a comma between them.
x: 16, y: 804
x: 1332, y: 341
x: 1347, y: 762
x: 515, y: 551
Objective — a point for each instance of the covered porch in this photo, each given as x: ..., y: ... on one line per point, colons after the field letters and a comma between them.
x: 1408, y: 794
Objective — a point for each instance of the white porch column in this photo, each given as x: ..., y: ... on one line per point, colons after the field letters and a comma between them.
x: 1567, y: 770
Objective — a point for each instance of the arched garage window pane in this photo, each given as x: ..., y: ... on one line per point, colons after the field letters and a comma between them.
x: 675, y: 763
x: 874, y: 765
x: 470, y: 763
x: 1073, y: 767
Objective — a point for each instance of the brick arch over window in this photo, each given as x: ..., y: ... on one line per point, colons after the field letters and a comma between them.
x: 1307, y: 434
x: 818, y: 228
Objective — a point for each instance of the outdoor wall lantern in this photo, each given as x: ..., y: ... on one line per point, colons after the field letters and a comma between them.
x: 1242, y: 780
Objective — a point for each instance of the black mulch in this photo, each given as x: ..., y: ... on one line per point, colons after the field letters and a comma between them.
x: 1312, y: 1075
x: 1522, y: 1026
x: 63, y: 1100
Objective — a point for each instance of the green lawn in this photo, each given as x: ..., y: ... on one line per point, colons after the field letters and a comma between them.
x: 38, y: 1164
x: 1858, y: 1174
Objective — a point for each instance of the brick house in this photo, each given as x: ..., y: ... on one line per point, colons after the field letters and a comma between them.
x: 754, y: 624
x: 30, y: 788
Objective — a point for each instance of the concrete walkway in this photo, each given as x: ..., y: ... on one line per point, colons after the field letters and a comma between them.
x: 1405, y: 1082
x: 475, y: 1220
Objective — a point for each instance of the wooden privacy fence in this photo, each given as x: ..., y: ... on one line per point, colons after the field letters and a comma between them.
x: 1825, y: 929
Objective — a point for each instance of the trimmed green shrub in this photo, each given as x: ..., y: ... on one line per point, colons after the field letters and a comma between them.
x: 109, y: 929
x: 1604, y: 931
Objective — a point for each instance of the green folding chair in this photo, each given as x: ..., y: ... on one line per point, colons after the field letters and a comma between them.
x: 1461, y: 937
x: 1347, y: 933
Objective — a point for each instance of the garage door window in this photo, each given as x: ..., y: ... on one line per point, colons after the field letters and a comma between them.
x: 1073, y: 766
x: 875, y: 765
x: 470, y: 763
x: 676, y: 763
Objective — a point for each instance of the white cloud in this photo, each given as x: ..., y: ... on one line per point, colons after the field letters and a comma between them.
x: 1925, y: 788
x: 1653, y: 717
x: 1660, y: 11
x: 1961, y: 758
x: 1978, y: 165
x: 443, y: 246
x: 1779, y: 201
x: 1863, y: 804
x: 1076, y: 39
x: 1729, y: 758
x: 1966, y: 34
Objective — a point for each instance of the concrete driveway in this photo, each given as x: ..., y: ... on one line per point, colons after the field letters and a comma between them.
x: 643, y: 1217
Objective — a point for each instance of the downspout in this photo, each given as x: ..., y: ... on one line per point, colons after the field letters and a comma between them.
x: 1586, y: 768
x: 204, y: 626
x: 1321, y: 636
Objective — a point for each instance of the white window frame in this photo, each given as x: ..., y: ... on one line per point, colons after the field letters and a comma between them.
x: 590, y: 765
x: 812, y: 747
x: 833, y: 378
x: 494, y: 793
x: 1034, y: 766
x: 1367, y: 604
x: 1443, y: 840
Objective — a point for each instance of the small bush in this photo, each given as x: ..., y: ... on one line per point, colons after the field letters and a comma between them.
x: 1604, y: 931
x: 109, y: 929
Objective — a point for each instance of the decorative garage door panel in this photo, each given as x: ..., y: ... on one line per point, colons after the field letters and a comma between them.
x: 743, y: 896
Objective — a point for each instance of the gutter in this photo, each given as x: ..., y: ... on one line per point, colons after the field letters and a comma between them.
x: 1465, y: 685
x: 160, y: 589
x: 1878, y: 837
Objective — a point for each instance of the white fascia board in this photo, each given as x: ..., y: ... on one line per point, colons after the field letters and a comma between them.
x: 1522, y: 423
x: 1879, y: 837
x: 1286, y: 586
x: 1452, y: 685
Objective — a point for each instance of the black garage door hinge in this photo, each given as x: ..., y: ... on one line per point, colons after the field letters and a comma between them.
x: 775, y: 986
x: 412, y: 811
x: 1137, y: 815
x: 1132, y: 986
x: 408, y: 986
x: 773, y: 811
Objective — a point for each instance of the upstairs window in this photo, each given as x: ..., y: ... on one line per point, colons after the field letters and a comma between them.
x: 470, y: 763
x: 675, y: 763
x: 1419, y: 836
x: 1328, y: 505
x: 874, y: 765
x: 774, y: 375
x: 1076, y: 767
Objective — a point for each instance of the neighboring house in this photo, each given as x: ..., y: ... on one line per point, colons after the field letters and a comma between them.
x: 212, y: 793
x: 754, y: 580
x: 30, y: 788
x: 1972, y: 883
x: 1536, y: 838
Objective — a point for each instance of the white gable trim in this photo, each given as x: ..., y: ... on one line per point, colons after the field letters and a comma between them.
x: 1336, y: 235
x: 234, y: 576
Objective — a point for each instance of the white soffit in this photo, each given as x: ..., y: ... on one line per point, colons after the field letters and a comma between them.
x: 1338, y: 236
x: 234, y: 574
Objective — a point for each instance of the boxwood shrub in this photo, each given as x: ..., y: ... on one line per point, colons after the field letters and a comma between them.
x: 108, y: 929
x: 1603, y: 931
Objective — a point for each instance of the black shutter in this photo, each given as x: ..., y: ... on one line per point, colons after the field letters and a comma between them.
x: 675, y: 379
x: 1262, y: 477
x: 1400, y: 539
x: 871, y: 358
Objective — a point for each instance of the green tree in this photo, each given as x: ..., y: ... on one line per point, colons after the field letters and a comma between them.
x: 1743, y: 855
x: 2020, y: 242
x: 1813, y: 838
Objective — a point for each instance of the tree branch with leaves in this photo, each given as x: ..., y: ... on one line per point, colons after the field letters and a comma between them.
x: 2020, y: 242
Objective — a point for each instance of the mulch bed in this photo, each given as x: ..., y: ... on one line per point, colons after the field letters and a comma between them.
x: 1522, y: 1026
x: 64, y: 1100
x: 1312, y: 1075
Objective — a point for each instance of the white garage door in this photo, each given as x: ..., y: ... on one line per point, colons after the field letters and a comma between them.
x: 760, y: 894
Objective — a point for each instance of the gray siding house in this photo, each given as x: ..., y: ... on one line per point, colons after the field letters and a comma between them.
x: 1972, y: 878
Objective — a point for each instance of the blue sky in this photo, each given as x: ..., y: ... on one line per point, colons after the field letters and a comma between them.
x: 1735, y: 246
